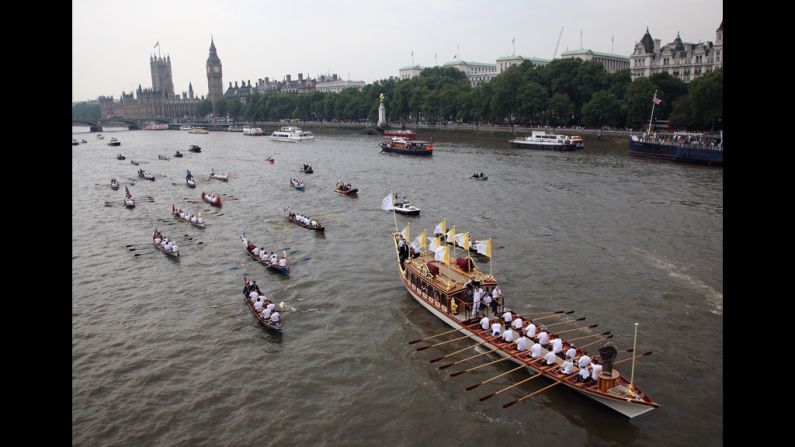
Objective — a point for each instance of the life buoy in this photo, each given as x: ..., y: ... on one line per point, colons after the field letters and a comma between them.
x: 567, y: 142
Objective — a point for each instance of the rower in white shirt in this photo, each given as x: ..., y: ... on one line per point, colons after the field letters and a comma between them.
x: 517, y: 323
x: 567, y: 366
x: 507, y: 316
x: 496, y: 329
x: 531, y: 330
x: 535, y: 350
x: 543, y: 338
x: 521, y: 343
x: 550, y: 358
x: 557, y: 345
x: 508, y: 335
x: 571, y: 353
x: 484, y: 323
x: 585, y: 360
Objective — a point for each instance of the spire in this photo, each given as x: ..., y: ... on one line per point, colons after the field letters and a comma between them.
x: 647, y: 42
x: 212, y: 44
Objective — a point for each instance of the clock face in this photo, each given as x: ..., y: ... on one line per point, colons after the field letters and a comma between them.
x: 216, y: 69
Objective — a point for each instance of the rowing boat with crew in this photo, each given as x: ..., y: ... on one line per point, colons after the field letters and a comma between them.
x: 265, y: 315
x: 280, y: 266
x: 453, y: 291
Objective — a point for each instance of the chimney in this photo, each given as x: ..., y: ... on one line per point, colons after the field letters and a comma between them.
x: 657, y: 45
x: 267, y: 80
x: 288, y: 78
x: 335, y: 77
x: 300, y: 76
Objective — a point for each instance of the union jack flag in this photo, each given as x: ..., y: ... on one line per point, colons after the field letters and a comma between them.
x: 656, y: 100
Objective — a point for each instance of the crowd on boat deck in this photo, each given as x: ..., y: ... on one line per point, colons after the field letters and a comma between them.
x: 298, y: 217
x: 296, y: 182
x: 688, y: 141
x: 343, y: 186
x: 546, y: 347
x: 164, y: 242
x: 262, y: 305
x: 262, y: 254
x: 196, y: 219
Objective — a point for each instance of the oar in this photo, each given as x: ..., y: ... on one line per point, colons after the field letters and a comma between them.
x: 144, y: 253
x: 458, y: 373
x: 578, y: 328
x: 593, y: 343
x: 138, y: 248
x: 588, y: 336
x: 559, y: 381
x: 460, y: 350
x: 564, y: 322
x: 442, y: 343
x: 468, y: 358
x: 134, y: 245
x: 443, y: 333
x: 518, y: 383
x: 550, y: 316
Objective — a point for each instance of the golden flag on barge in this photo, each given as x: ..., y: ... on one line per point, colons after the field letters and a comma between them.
x: 446, y: 289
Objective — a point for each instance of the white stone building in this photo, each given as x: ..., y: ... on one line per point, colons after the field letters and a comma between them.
x: 686, y: 61
x: 476, y: 72
x: 611, y: 62
x: 410, y: 72
x: 504, y: 63
x: 333, y: 84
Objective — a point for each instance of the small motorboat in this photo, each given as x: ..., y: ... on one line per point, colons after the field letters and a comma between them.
x: 212, y: 199
x: 121, y: 157
x: 134, y: 162
x: 480, y: 176
x: 190, y: 180
x: 100, y: 137
x: 178, y: 155
x: 194, y: 148
x: 306, y: 169
x: 114, y: 184
x: 83, y: 141
x: 163, y: 157
x: 270, y: 160
x: 74, y: 142
x: 114, y: 142
x: 346, y: 189
x: 402, y: 206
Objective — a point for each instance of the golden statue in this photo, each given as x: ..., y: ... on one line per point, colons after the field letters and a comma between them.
x: 382, y: 97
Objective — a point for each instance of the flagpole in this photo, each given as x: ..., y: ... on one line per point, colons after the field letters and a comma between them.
x: 631, y: 388
x: 653, y: 103
x: 394, y: 213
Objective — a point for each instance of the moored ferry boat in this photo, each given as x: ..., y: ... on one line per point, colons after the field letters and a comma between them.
x: 234, y: 129
x: 679, y: 146
x: 445, y: 288
x: 199, y: 130
x: 292, y: 134
x: 156, y: 126
x: 253, y: 131
x: 543, y: 140
x: 400, y: 145
x: 403, y: 133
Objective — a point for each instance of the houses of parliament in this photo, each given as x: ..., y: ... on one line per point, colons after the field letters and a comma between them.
x: 160, y: 101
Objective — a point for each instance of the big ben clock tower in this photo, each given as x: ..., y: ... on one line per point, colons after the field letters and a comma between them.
x: 214, y: 74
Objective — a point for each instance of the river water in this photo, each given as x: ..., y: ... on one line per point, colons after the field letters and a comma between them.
x: 165, y: 352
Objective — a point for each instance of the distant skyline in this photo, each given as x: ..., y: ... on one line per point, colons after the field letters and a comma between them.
x: 360, y: 40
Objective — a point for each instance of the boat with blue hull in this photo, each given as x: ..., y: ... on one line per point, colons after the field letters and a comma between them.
x: 681, y: 147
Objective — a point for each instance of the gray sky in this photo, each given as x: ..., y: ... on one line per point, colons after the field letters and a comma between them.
x: 363, y: 40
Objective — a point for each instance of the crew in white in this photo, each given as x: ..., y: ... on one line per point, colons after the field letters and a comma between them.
x: 258, y: 305
x: 274, y: 259
x: 283, y: 262
x: 585, y: 360
x: 496, y: 329
x: 484, y: 323
x: 567, y: 366
x: 276, y: 318
x: 253, y: 296
x: 543, y: 338
x: 507, y: 316
x: 571, y: 353
x: 486, y: 301
x: 508, y: 335
x: 584, y: 373
x: 255, y: 251
x: 535, y: 350
x: 531, y: 330
x: 597, y: 369
x: 517, y: 323
x: 557, y: 345
x: 521, y: 343
x: 550, y: 358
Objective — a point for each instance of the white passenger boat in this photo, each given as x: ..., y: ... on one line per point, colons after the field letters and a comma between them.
x: 292, y: 134
x: 543, y: 140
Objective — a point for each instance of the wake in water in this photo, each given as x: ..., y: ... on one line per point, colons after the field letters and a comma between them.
x: 713, y: 297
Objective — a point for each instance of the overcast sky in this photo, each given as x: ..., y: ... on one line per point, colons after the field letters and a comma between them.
x: 360, y: 40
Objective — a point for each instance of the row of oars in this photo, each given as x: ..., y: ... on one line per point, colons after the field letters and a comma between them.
x: 601, y: 337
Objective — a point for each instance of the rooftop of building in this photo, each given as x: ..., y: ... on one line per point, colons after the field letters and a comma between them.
x: 595, y: 53
x: 478, y: 64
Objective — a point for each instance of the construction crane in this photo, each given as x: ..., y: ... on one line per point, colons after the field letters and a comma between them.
x: 558, y: 44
